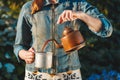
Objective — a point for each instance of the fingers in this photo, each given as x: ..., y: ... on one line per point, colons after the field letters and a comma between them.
x: 32, y: 50
x: 67, y: 15
x: 60, y: 20
x: 63, y: 17
x: 29, y: 61
x: 29, y: 53
x: 30, y: 56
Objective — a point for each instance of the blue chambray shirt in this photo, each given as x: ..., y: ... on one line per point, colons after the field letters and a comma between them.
x: 34, y: 30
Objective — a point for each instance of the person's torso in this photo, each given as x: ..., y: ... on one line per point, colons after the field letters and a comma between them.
x: 42, y: 26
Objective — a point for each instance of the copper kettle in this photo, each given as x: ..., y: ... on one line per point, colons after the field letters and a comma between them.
x: 71, y: 40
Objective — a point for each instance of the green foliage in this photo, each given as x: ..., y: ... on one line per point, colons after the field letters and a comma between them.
x: 98, y: 54
x: 9, y: 11
x: 102, y: 53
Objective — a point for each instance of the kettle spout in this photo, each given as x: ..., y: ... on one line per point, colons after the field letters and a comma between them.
x: 58, y: 45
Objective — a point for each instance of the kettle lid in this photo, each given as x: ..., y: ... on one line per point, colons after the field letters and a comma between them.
x: 67, y: 30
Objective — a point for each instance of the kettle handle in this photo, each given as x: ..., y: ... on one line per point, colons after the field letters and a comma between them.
x: 75, y: 25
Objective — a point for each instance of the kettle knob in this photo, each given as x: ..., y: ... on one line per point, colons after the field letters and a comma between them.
x: 67, y: 30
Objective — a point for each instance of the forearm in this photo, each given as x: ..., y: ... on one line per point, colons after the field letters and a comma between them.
x: 93, y: 23
x: 97, y: 24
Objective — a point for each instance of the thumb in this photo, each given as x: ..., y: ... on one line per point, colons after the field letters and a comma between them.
x: 31, y: 49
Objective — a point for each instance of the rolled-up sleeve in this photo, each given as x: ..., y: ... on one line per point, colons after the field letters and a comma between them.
x: 23, y: 33
x: 106, y: 29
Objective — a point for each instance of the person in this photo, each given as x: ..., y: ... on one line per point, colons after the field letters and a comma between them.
x: 34, y: 28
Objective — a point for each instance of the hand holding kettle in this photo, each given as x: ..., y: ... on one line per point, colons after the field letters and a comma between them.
x: 71, y: 39
x: 67, y: 15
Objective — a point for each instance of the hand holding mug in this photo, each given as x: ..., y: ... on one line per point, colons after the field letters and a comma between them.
x: 28, y: 56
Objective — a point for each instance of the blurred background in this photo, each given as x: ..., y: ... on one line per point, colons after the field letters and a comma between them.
x: 100, y: 58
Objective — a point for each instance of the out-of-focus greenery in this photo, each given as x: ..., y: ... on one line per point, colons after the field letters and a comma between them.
x: 9, y: 67
x: 98, y: 54
x: 102, y: 53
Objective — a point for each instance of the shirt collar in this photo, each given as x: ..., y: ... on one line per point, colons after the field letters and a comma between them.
x: 47, y: 2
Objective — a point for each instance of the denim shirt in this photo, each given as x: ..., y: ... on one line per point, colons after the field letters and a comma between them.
x: 34, y: 30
